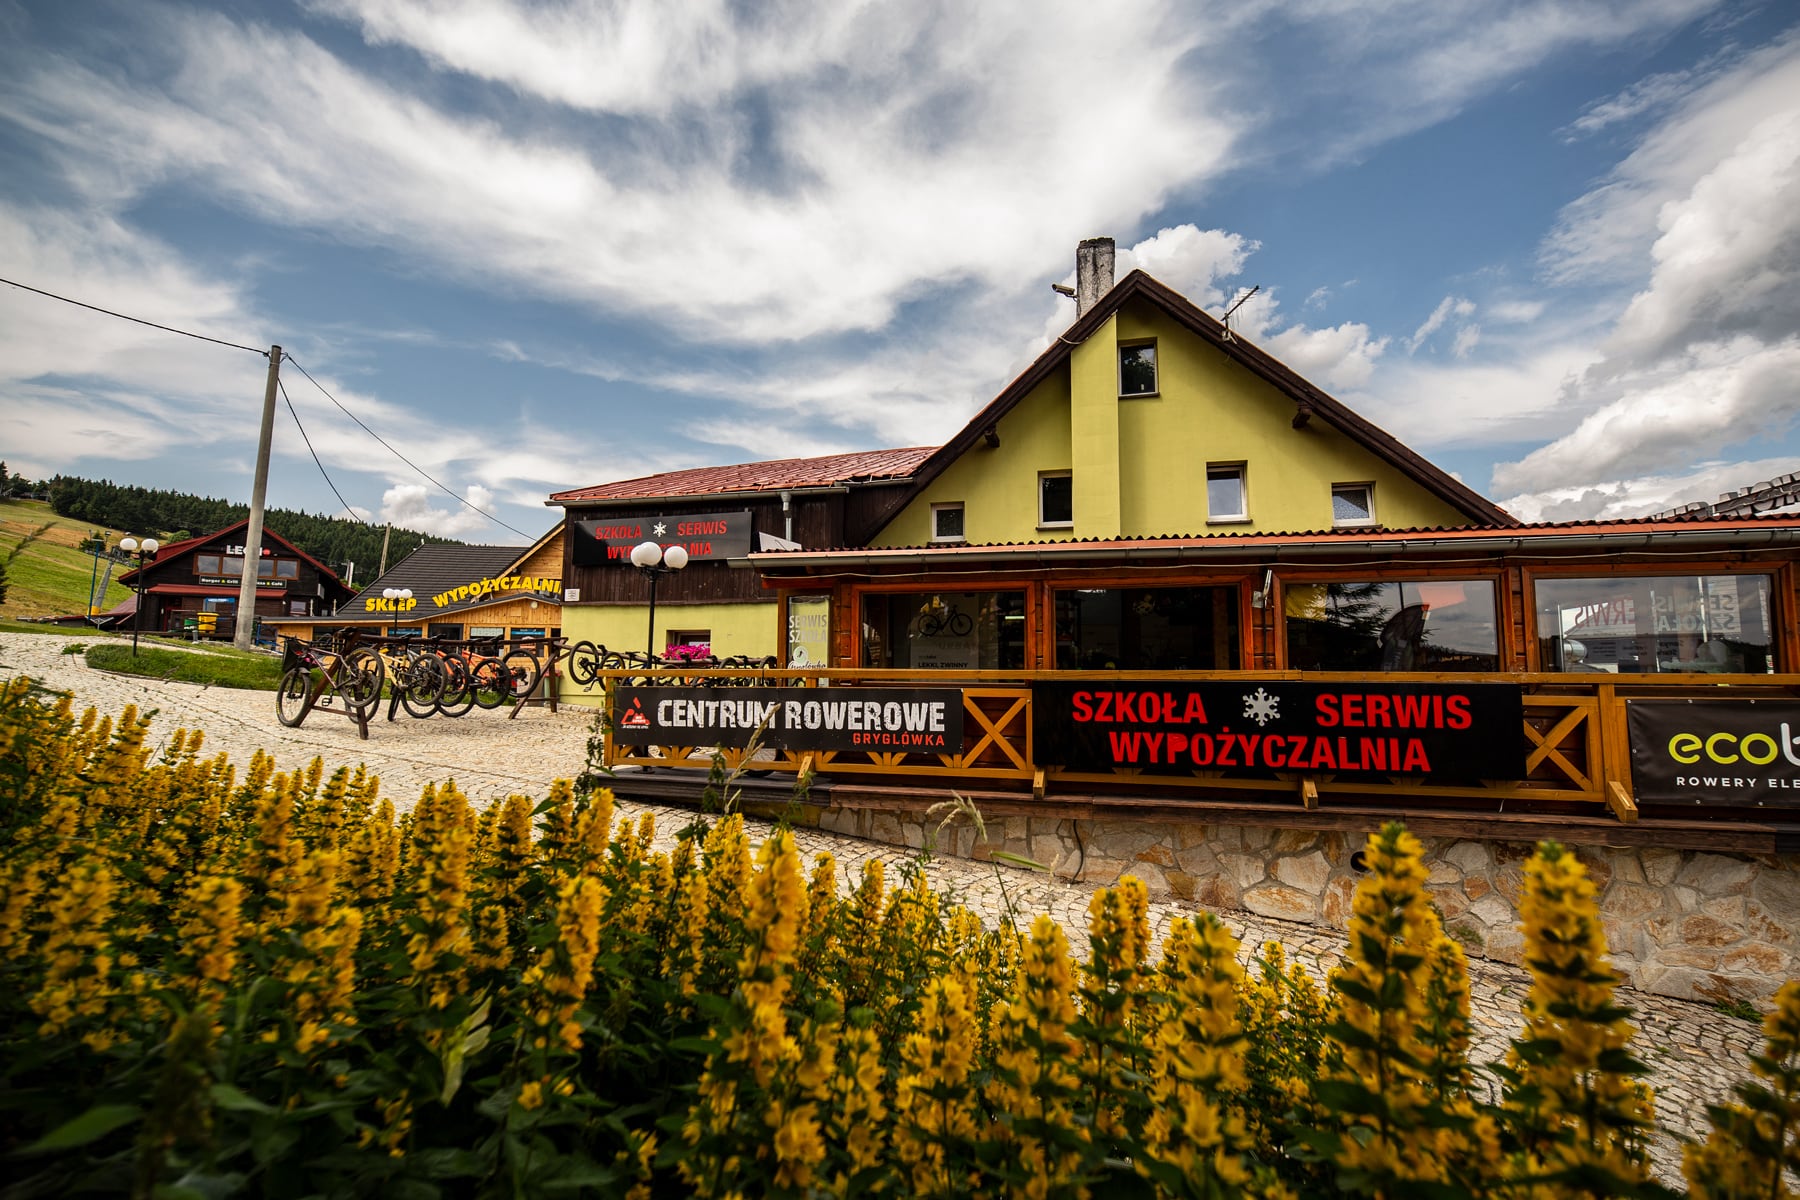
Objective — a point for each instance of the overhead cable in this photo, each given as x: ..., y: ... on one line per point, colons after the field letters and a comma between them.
x: 315, y: 454
x: 409, y: 462
x: 137, y: 320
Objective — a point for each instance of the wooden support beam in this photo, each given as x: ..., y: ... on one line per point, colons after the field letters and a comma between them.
x: 1037, y: 783
x: 1619, y: 800
x: 991, y: 435
x: 1302, y: 414
x: 807, y: 769
x: 1309, y: 793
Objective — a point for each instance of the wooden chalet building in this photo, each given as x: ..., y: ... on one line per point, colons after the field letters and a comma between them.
x: 203, y: 574
x: 459, y: 592
x: 1166, y: 608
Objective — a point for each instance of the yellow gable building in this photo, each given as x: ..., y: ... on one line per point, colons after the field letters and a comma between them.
x: 1147, y: 418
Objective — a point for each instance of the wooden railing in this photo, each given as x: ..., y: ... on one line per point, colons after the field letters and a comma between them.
x: 1574, y: 736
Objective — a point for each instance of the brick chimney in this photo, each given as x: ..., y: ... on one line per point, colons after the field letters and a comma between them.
x: 1093, y: 273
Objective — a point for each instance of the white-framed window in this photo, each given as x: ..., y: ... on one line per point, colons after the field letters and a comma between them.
x: 1137, y: 369
x: 1056, y: 500
x: 1225, y: 498
x: 1352, y: 504
x: 947, y: 522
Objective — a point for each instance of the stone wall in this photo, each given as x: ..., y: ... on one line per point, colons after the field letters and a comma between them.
x: 1683, y: 923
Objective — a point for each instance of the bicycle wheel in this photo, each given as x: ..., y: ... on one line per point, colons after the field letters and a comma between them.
x: 961, y: 625
x: 361, y: 675
x: 487, y: 682
x: 519, y: 671
x: 290, y: 697
x: 584, y: 663
x: 423, y: 684
x: 459, y: 689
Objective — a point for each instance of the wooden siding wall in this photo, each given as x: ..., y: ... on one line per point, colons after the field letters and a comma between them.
x: 1262, y: 643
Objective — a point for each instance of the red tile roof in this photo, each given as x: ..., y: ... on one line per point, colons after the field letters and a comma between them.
x: 783, y: 473
x: 1619, y: 534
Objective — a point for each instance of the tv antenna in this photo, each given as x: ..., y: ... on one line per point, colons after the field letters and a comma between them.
x: 1235, y: 305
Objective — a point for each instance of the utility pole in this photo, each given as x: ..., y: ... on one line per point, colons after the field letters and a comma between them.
x: 385, y: 535
x: 259, y: 488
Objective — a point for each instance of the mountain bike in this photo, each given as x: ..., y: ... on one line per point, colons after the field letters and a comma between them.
x: 418, y: 677
x: 318, y: 676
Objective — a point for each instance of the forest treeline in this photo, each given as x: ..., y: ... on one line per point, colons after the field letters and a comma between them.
x: 173, y: 516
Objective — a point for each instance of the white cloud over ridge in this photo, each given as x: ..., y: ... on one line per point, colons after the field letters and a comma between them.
x: 1705, y: 357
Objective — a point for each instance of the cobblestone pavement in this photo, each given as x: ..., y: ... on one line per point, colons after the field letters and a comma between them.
x: 1695, y: 1052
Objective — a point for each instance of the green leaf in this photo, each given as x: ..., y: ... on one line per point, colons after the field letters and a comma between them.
x: 232, y: 1099
x: 90, y: 1126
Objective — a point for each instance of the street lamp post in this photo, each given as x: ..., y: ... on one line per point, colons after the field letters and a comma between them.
x: 655, y: 562
x: 145, y: 550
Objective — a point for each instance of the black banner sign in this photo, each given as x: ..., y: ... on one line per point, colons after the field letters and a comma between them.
x: 1737, y: 752
x: 887, y: 719
x: 705, y: 536
x: 1261, y: 727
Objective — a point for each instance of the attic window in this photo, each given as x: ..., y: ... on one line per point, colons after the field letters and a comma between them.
x: 1225, y: 492
x: 1352, y: 504
x: 947, y: 522
x: 1056, y: 500
x: 1137, y: 369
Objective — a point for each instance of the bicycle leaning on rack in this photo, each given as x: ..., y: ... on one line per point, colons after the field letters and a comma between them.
x: 321, y: 676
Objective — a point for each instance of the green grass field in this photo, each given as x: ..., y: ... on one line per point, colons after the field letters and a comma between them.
x: 51, y: 576
x: 217, y: 666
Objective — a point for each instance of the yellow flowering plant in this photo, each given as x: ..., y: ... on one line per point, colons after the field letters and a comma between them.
x: 225, y: 981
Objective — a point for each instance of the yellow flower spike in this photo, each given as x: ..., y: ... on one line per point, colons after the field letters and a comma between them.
x: 1754, y: 1146
x: 78, y: 979
x: 1573, y: 1092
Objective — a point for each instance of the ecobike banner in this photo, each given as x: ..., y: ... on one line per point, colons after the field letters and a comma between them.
x: 1737, y: 752
x: 1261, y: 727
x: 887, y: 719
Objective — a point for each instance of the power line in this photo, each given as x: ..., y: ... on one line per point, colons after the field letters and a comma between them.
x: 137, y: 320
x: 315, y: 454
x: 409, y: 462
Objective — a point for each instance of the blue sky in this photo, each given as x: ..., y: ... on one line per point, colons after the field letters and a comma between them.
x: 1553, y: 246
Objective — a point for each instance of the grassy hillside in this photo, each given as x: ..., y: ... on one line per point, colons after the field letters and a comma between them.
x: 52, y: 576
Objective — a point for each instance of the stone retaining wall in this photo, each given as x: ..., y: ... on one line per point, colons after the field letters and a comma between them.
x: 1682, y: 923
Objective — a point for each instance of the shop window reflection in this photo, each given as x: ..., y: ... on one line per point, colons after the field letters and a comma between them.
x: 1400, y: 625
x: 1147, y: 629
x: 945, y: 630
x: 1627, y: 625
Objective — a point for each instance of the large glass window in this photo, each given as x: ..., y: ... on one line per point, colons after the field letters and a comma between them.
x: 287, y: 568
x: 1635, y: 625
x: 953, y: 630
x: 1402, y: 625
x: 206, y: 564
x: 1147, y: 629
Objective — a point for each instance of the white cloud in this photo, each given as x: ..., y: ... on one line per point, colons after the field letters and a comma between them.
x: 1705, y: 358
x: 877, y: 173
x: 1513, y: 312
x: 1616, y: 499
x: 1695, y: 406
x: 1467, y: 338
x: 1447, y: 308
x: 1650, y: 94
x: 1190, y: 260
x: 413, y: 506
x: 1336, y: 358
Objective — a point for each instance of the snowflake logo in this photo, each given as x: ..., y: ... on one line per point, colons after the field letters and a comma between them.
x: 1261, y: 707
x: 660, y: 529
